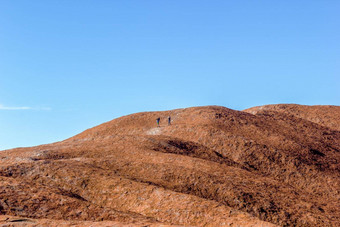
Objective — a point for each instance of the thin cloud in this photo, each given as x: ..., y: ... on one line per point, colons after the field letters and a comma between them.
x: 2, y: 107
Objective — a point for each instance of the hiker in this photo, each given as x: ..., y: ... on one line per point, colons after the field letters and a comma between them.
x: 169, y: 120
x: 158, y: 120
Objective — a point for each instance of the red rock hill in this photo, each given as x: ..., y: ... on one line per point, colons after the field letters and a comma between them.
x: 213, y: 166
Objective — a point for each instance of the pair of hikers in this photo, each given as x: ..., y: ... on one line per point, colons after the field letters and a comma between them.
x: 159, y: 119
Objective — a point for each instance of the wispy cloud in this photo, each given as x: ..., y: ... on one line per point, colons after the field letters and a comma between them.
x: 2, y: 107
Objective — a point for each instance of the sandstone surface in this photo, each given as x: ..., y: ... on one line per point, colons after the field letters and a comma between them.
x: 276, y: 165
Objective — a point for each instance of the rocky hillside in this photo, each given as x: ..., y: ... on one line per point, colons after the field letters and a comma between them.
x: 213, y: 166
x: 328, y: 116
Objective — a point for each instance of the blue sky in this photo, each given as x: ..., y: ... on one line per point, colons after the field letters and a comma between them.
x: 66, y: 66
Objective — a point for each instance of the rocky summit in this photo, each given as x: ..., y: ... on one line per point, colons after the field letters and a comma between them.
x: 274, y: 165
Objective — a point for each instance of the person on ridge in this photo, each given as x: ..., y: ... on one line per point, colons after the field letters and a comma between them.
x: 158, y: 120
x: 169, y: 120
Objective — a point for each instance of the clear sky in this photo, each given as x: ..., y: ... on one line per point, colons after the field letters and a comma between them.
x: 66, y: 65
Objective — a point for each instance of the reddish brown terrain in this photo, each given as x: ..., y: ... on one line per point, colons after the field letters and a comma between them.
x: 276, y: 165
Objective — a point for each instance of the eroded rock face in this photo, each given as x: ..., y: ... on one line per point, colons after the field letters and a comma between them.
x: 212, y: 166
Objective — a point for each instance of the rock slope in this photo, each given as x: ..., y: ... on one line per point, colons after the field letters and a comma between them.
x: 213, y: 166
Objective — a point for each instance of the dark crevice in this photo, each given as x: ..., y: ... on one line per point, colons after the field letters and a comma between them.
x: 71, y: 195
x: 191, y: 149
x: 316, y: 152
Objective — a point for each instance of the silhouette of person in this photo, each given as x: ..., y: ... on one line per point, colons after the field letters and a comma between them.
x: 158, y: 120
x: 169, y: 120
